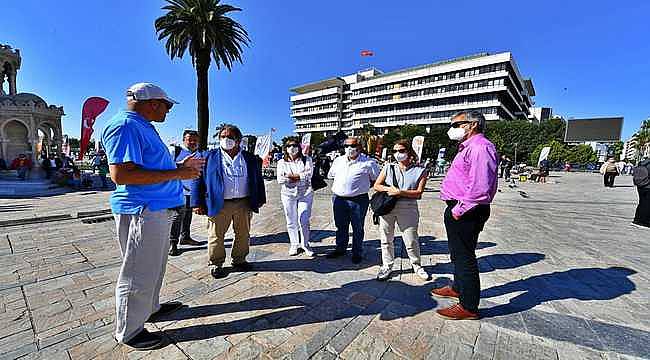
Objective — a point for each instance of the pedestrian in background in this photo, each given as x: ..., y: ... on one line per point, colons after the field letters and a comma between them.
x: 353, y: 173
x: 229, y: 192
x: 609, y: 170
x: 544, y: 169
x: 22, y: 164
x: 468, y: 190
x: 148, y: 184
x: 294, y: 174
x: 181, y: 216
x: 411, y: 180
x: 641, y: 178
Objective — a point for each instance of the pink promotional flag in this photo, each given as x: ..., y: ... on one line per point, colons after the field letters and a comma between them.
x: 92, y: 108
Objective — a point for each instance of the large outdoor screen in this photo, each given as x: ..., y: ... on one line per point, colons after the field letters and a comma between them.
x: 597, y: 129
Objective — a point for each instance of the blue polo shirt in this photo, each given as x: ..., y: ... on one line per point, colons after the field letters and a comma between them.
x: 128, y: 137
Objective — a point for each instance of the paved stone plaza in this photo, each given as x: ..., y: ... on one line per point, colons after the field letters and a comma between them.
x: 564, y: 276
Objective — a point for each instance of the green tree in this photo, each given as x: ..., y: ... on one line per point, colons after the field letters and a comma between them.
x: 643, y: 139
x: 317, y: 138
x: 389, y: 139
x: 618, y: 149
x: 409, y: 131
x: 202, y: 28
x: 581, y: 154
x: 557, y: 154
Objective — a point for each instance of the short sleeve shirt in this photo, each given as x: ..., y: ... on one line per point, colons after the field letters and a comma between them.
x: 128, y: 137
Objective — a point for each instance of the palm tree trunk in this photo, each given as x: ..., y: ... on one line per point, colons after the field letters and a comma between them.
x: 202, y: 107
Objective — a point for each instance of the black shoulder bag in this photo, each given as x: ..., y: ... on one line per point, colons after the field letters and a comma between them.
x: 381, y: 203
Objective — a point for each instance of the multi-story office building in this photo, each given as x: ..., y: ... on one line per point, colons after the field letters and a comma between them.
x: 422, y: 95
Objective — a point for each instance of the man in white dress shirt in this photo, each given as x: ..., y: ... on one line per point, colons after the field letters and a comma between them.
x: 353, y: 174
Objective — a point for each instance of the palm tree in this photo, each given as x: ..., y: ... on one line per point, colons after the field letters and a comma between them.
x: 643, y: 139
x: 202, y: 28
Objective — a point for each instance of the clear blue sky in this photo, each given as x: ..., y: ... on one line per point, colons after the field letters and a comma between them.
x: 598, y: 50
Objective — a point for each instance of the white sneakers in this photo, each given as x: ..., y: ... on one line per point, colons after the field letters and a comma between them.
x: 385, y: 273
x: 421, y: 273
x: 293, y: 251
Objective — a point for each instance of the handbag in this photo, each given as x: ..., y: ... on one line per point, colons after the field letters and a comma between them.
x: 381, y: 203
x: 317, y: 181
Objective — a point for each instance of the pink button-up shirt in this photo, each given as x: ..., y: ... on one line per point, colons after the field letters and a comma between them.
x: 472, y: 177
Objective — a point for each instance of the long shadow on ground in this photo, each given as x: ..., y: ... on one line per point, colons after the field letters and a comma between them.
x: 586, y: 284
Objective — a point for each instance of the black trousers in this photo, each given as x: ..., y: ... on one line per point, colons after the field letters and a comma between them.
x: 181, y: 220
x: 462, y: 236
x: 609, y: 179
x: 642, y: 215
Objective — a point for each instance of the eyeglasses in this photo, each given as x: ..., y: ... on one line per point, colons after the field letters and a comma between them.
x: 458, y: 123
x: 167, y: 104
x: 399, y: 150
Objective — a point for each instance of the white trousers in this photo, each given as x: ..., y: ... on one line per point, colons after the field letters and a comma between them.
x: 407, y: 217
x: 144, y: 242
x: 297, y: 210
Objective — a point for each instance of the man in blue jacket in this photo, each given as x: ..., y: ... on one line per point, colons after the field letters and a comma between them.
x: 229, y: 191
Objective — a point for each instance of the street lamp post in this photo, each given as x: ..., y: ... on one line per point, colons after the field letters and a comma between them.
x: 515, y: 154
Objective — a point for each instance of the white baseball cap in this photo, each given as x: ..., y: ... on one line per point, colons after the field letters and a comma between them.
x: 147, y: 91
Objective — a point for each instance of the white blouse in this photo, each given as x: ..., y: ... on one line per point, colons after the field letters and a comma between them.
x: 303, y: 169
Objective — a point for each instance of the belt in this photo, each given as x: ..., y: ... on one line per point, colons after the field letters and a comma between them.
x: 237, y: 199
x: 352, y: 197
x: 453, y: 203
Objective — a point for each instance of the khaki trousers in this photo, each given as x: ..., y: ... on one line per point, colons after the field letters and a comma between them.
x: 407, y: 217
x: 238, y: 213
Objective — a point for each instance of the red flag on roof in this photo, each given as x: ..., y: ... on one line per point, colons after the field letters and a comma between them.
x: 367, y: 53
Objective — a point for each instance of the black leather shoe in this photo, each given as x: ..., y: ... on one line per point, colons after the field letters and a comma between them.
x: 356, y: 259
x: 166, y: 308
x: 146, y: 341
x: 190, y: 241
x: 335, y: 254
x: 243, y: 266
x: 218, y: 272
x: 174, y: 251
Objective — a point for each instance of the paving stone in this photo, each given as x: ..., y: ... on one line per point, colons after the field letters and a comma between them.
x: 551, y: 271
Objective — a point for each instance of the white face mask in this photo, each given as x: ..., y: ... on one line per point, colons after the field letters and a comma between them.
x: 400, y: 156
x: 227, y: 143
x: 293, y: 151
x: 351, y: 151
x: 456, y: 133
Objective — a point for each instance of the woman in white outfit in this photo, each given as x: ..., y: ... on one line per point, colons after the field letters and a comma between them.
x: 411, y: 179
x: 294, y: 174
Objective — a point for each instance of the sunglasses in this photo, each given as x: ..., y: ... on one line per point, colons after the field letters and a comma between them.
x: 458, y: 123
x: 350, y: 145
x: 292, y: 146
x: 399, y: 150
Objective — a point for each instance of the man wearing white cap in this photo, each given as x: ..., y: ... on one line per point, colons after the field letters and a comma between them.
x: 148, y: 185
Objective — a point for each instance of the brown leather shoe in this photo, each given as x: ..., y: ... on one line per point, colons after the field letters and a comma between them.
x: 445, y: 292
x: 457, y: 312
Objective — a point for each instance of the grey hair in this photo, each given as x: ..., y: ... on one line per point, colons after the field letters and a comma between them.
x: 473, y: 116
x: 230, y: 127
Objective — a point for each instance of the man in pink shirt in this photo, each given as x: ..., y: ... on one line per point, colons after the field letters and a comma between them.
x: 468, y: 190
